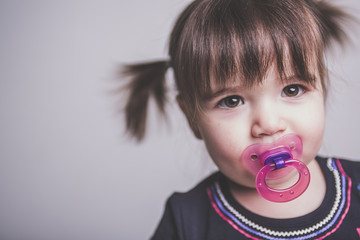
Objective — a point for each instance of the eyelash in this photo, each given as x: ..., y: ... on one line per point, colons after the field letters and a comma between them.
x: 298, y: 89
x: 236, y: 101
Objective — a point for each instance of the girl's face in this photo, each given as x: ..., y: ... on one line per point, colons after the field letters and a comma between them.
x: 236, y: 117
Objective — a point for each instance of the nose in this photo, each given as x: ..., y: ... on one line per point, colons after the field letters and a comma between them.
x: 267, y: 120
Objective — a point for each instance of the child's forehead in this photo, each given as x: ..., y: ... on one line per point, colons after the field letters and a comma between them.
x: 288, y: 74
x: 238, y: 82
x: 249, y: 67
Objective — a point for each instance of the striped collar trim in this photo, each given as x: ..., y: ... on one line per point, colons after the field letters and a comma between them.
x: 319, y: 230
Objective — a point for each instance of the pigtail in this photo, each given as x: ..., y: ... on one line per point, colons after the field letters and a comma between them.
x: 146, y: 80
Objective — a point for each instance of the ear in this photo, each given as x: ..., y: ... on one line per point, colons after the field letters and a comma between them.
x: 189, y: 117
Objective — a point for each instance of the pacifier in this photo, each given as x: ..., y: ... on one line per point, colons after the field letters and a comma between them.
x: 275, y: 161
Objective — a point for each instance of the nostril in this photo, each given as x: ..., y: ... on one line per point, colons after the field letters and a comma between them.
x: 268, y: 129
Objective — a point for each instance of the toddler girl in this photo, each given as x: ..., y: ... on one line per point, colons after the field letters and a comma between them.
x: 251, y: 81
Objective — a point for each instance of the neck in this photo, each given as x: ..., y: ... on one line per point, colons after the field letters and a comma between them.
x: 309, y: 201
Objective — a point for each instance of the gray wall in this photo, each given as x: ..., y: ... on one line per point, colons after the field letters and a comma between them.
x: 67, y: 171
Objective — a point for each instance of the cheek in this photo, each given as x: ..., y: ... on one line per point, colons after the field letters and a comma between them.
x: 223, y: 140
x: 312, y: 131
x: 225, y: 146
x: 218, y: 140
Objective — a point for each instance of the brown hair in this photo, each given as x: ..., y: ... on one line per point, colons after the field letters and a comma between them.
x: 222, y: 40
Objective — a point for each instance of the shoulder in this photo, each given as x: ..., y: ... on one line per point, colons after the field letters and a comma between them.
x: 184, y: 213
x: 194, y: 198
x: 350, y: 164
x: 350, y: 168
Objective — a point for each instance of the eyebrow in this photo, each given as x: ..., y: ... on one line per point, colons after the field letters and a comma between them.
x: 296, y: 78
x: 293, y: 78
x: 223, y: 91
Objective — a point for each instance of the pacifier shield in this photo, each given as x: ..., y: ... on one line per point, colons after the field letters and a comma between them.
x: 255, y: 155
x: 275, y: 161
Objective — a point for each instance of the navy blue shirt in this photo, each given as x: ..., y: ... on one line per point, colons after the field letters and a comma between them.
x: 210, y: 212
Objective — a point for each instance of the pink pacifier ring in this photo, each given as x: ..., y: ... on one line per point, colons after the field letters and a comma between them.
x: 287, y: 194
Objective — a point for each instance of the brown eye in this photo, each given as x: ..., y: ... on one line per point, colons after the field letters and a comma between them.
x: 231, y: 102
x: 293, y: 90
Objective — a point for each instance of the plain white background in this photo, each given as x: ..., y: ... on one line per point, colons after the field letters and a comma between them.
x: 67, y: 170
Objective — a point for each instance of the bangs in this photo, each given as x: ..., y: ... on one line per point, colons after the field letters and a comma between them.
x: 224, y: 41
